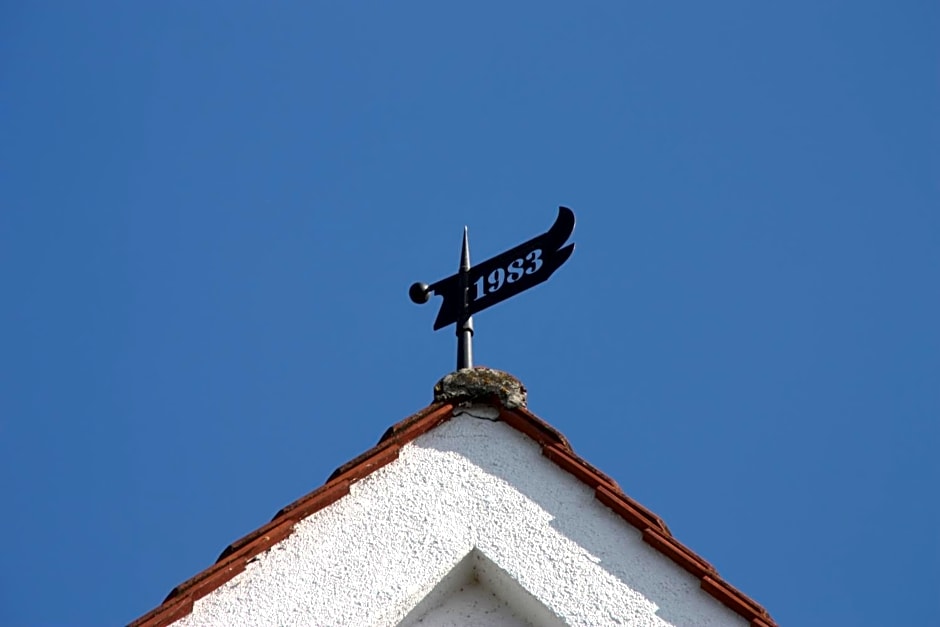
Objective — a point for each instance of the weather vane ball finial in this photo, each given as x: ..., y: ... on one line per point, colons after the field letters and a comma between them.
x: 419, y: 293
x: 475, y: 288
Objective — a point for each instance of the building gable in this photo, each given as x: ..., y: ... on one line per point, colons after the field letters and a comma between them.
x: 388, y: 535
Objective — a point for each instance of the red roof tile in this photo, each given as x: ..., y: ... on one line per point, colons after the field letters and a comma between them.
x: 554, y: 446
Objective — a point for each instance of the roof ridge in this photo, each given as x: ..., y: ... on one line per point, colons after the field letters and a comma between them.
x: 235, y: 557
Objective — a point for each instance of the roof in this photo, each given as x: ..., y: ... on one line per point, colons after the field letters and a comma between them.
x: 554, y: 447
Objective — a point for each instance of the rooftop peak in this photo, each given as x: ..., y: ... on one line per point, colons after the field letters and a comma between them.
x: 481, y: 384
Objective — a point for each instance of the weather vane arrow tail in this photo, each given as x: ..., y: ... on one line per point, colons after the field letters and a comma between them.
x: 475, y: 288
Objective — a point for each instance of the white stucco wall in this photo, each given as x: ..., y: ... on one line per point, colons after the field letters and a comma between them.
x: 474, y: 595
x: 469, y: 485
x: 470, y: 606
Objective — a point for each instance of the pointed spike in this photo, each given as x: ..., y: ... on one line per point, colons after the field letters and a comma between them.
x: 465, y: 250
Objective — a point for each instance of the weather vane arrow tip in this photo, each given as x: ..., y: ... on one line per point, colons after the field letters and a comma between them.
x: 465, y: 250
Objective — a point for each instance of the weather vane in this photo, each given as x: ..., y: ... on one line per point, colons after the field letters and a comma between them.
x: 474, y: 288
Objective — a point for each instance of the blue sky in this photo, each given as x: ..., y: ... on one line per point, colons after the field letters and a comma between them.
x: 210, y: 214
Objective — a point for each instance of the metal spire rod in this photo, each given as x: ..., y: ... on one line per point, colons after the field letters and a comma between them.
x: 465, y: 321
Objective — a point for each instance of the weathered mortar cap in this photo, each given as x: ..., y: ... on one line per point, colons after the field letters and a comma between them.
x: 483, y: 385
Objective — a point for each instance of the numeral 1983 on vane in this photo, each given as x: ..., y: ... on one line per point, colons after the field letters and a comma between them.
x: 516, y: 269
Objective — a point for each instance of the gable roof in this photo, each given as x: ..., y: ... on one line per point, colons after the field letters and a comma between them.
x: 503, y: 392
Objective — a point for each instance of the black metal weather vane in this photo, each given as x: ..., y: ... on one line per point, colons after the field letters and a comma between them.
x: 475, y: 288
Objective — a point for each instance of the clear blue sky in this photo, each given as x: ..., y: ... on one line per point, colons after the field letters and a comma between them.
x: 210, y: 213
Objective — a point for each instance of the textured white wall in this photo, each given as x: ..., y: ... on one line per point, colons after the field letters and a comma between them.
x: 470, y: 484
x: 470, y: 596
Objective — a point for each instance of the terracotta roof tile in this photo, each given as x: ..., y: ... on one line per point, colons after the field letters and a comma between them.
x: 554, y: 446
